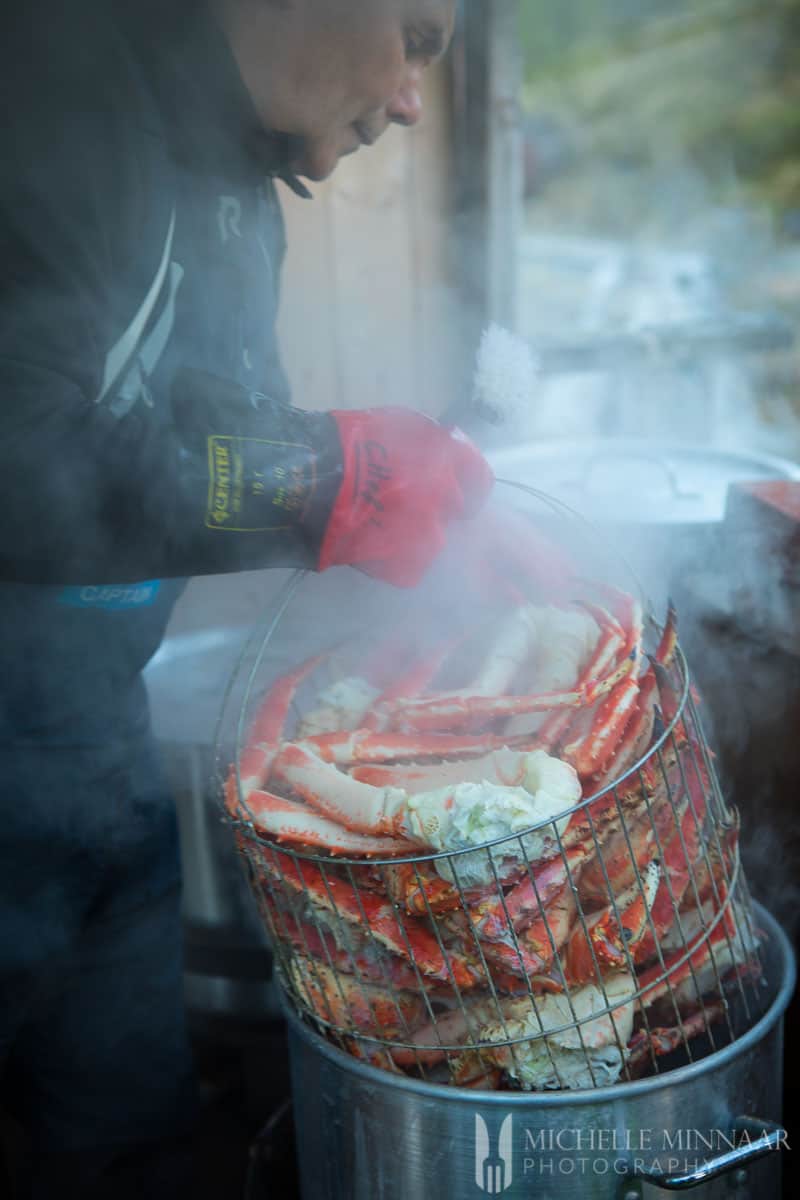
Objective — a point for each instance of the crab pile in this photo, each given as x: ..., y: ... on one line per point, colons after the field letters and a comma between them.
x: 505, y: 863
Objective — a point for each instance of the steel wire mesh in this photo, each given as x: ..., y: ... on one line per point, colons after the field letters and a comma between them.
x: 613, y: 938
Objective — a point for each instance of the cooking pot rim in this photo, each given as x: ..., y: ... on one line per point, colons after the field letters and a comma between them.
x: 691, y: 481
x: 785, y: 959
x: 552, y: 448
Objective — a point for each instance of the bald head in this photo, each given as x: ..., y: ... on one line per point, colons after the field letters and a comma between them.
x: 335, y: 73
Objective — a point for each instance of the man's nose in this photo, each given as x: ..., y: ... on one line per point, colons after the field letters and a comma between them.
x: 405, y: 107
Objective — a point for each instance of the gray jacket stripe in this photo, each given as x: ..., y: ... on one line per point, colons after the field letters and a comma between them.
x: 120, y: 354
x: 156, y: 342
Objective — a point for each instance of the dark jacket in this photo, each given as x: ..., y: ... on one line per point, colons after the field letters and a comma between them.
x: 146, y: 429
x: 140, y: 237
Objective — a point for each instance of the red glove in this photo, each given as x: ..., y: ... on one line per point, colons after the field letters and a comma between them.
x: 405, y: 478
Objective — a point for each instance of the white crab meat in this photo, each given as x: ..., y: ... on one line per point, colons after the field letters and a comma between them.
x: 562, y: 641
x: 591, y: 1052
x: 471, y: 814
x: 567, y: 639
x: 450, y: 818
x: 649, y: 878
x: 341, y: 706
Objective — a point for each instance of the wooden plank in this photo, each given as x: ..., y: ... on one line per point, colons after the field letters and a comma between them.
x: 373, y: 284
x: 487, y: 66
x: 307, y: 327
x: 436, y: 301
x: 505, y: 160
x: 469, y: 70
x: 367, y: 311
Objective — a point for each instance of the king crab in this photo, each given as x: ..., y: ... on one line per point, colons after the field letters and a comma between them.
x: 598, y: 851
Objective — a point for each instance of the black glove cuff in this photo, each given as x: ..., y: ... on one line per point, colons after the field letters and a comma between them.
x: 257, y: 467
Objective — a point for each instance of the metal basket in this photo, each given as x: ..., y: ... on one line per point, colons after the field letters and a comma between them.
x: 608, y: 941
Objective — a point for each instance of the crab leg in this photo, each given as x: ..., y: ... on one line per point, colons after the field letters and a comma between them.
x: 407, y: 936
x: 449, y: 709
x: 363, y: 746
x: 358, y: 807
x: 635, y: 739
x: 602, y: 819
x: 630, y: 928
x: 266, y: 731
x: 669, y: 701
x: 446, y: 818
x: 608, y: 722
x: 449, y: 1029
x: 344, y: 1002
x: 340, y: 706
x: 612, y: 639
x: 420, y: 889
x: 413, y: 777
x: 665, y: 653
x: 628, y: 611
x: 595, y: 636
x: 526, y: 900
x: 680, y: 855
x: 504, y: 767
x: 255, y: 763
x: 713, y: 870
x: 685, y: 979
x: 449, y: 818
x: 510, y: 650
x: 623, y: 854
x: 412, y: 683
x: 658, y: 1042
x: 591, y: 753
x: 350, y: 702
x: 537, y: 945
x: 487, y: 1080
x: 547, y: 935
x: 270, y: 719
x: 609, y: 935
x: 515, y: 958
x: 287, y: 821
x: 358, y: 958
x: 590, y: 1049
x: 613, y: 634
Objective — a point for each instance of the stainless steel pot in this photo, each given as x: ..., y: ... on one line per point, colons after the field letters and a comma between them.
x: 365, y: 1134
x: 663, y: 504
x: 227, y: 965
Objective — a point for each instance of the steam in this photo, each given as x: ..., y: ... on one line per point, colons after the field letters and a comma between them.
x: 743, y: 680
x: 506, y: 376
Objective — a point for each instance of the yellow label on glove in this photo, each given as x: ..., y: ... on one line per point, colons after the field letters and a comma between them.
x: 257, y: 485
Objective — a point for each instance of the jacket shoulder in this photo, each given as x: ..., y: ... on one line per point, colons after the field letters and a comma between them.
x: 86, y: 184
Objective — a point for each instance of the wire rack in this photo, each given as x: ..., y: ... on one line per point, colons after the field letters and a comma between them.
x: 612, y: 939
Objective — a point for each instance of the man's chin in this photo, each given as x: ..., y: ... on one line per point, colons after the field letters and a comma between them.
x: 316, y: 166
x: 314, y: 174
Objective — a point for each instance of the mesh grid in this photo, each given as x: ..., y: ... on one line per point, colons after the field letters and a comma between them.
x: 610, y: 940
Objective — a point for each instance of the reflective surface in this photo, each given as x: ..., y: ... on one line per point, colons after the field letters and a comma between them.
x: 366, y: 1135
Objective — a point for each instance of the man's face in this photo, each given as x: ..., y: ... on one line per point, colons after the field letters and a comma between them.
x: 336, y: 73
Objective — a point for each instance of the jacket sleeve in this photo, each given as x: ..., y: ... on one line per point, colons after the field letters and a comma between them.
x: 232, y: 482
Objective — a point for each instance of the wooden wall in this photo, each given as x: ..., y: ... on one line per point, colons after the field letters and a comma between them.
x: 368, y: 314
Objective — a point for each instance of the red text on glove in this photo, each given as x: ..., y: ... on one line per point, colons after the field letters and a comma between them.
x: 377, y: 473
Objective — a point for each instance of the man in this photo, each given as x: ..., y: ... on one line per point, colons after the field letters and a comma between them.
x: 147, y: 436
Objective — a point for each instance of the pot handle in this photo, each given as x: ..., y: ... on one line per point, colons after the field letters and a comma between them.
x: 596, y: 461
x: 763, y: 1137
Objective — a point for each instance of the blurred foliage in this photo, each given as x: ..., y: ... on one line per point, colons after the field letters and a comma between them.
x: 712, y: 85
